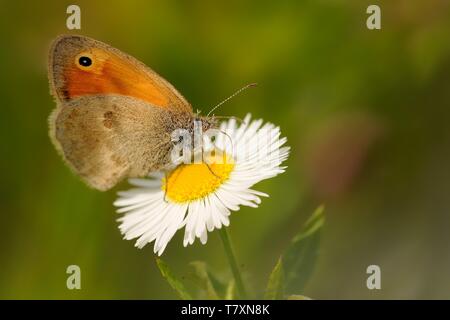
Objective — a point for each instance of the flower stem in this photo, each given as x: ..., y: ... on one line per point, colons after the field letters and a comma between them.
x: 233, y: 263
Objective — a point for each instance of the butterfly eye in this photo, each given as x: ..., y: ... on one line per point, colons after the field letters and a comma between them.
x: 84, y: 60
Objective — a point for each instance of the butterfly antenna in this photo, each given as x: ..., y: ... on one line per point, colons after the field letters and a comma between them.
x: 232, y: 96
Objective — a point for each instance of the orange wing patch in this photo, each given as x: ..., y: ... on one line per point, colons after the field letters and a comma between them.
x: 110, y: 74
x: 106, y: 70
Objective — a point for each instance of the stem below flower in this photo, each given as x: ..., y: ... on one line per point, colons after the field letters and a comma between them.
x: 233, y: 264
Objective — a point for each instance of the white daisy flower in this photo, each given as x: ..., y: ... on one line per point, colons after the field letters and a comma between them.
x: 199, y: 197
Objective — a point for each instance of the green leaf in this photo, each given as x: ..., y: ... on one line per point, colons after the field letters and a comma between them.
x: 275, y: 286
x: 173, y: 281
x: 300, y: 257
x: 204, y: 279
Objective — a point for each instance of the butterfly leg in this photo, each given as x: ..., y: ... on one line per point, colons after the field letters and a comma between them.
x: 209, y: 168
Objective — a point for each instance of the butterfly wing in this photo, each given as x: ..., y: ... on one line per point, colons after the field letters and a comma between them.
x: 105, y: 138
x: 113, y: 114
x: 80, y: 66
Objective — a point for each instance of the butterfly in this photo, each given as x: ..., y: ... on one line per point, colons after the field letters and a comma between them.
x: 114, y: 116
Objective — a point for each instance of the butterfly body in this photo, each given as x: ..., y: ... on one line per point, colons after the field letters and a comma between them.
x: 114, y: 116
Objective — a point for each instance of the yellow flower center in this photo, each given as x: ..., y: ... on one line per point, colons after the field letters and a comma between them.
x: 189, y: 182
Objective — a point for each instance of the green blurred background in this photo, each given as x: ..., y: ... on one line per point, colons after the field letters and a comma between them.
x: 365, y: 112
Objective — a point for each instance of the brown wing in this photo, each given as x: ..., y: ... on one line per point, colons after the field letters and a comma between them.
x: 107, y: 138
x: 80, y: 66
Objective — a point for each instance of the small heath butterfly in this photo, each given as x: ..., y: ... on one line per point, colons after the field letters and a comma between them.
x: 114, y: 116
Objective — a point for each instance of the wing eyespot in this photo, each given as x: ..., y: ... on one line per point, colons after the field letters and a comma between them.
x: 84, y: 61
